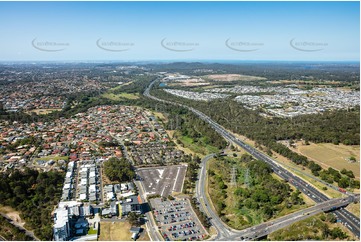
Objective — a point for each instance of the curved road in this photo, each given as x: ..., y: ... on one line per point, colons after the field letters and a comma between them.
x: 344, y: 216
x: 223, y: 231
x: 258, y: 231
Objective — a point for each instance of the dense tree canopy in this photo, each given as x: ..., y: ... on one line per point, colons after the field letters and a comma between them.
x: 256, y: 194
x: 119, y: 170
x: 34, y: 194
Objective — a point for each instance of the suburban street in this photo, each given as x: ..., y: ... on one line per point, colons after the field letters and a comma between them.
x: 344, y: 216
x: 150, y: 223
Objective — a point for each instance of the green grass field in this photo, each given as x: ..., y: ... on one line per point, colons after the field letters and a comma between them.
x: 196, y: 146
x: 118, y: 97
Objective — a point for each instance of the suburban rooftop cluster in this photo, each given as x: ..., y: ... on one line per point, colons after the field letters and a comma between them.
x: 198, y: 96
x: 95, y: 134
x: 45, y: 94
x: 280, y: 101
x: 300, y: 102
x: 159, y: 153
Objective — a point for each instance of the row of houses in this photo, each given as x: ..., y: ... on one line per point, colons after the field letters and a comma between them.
x: 88, y: 182
x: 68, y: 188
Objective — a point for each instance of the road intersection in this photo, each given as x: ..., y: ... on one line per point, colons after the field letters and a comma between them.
x: 347, y: 218
x: 261, y: 230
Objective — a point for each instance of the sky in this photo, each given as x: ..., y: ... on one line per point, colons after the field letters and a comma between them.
x: 134, y: 31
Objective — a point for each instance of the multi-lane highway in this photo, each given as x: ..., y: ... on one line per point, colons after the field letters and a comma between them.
x: 344, y: 216
x: 258, y: 231
x: 266, y: 228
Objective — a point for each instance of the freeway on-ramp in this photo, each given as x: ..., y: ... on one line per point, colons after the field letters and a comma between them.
x: 223, y: 231
x: 261, y: 230
x: 347, y: 218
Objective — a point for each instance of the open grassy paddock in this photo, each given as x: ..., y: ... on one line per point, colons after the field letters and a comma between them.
x: 119, y: 231
x: 195, y: 147
x: 115, y: 231
x: 117, y: 97
x: 330, y: 155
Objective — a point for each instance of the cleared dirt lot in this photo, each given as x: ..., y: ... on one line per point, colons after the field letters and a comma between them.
x: 192, y: 82
x: 233, y: 77
x: 12, y: 213
x: 162, y: 180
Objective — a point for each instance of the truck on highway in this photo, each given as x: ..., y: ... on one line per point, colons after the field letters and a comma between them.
x: 342, y: 190
x: 333, y: 208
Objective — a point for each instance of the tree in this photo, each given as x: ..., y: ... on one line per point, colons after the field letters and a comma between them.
x: 331, y: 218
x: 34, y: 195
x: 134, y: 219
x: 295, y: 198
x: 338, y: 233
x: 347, y: 173
x: 118, y: 170
x: 268, y: 212
x: 343, y: 182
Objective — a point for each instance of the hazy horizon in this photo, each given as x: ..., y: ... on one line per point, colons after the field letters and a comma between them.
x: 178, y: 61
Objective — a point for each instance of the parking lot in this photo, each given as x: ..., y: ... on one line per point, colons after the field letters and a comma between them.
x: 162, y: 180
x: 176, y: 220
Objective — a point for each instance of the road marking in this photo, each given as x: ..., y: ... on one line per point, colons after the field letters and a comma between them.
x: 162, y: 191
x: 160, y: 173
x: 176, y: 178
x: 148, y: 231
